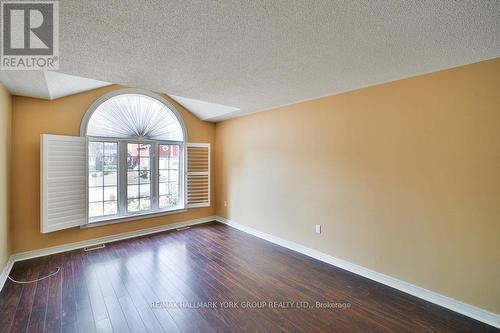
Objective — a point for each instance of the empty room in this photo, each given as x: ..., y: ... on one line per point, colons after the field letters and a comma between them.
x: 249, y: 166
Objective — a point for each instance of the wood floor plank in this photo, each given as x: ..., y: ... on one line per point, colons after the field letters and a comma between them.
x: 68, y: 299
x: 141, y: 304
x: 180, y: 291
x: 280, y: 290
x: 53, y: 316
x: 10, y: 296
x: 150, y: 292
x: 113, y: 308
x: 96, y: 297
x: 85, y: 320
x: 23, y: 311
x: 222, y: 270
x: 201, y: 251
x: 37, y: 317
x: 164, y: 282
x: 366, y: 313
x: 188, y: 321
x: 132, y: 317
x: 104, y: 326
x: 211, y: 289
x: 69, y: 327
x: 118, y: 279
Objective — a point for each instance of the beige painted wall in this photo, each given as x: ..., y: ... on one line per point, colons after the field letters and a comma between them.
x: 5, y: 122
x: 32, y: 117
x: 404, y: 177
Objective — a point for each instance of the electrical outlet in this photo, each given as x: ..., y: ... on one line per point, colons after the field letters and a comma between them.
x: 225, y: 203
x: 318, y: 228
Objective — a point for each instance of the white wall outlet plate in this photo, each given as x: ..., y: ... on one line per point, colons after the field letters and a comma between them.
x: 318, y: 228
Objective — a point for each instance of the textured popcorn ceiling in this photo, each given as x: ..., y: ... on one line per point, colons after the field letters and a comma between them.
x: 256, y: 55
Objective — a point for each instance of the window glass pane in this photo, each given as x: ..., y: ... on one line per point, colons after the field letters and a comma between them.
x: 95, y: 179
x: 138, y: 164
x: 145, y: 177
x: 133, y: 149
x: 110, y: 193
x: 133, y: 205
x: 144, y: 163
x: 133, y: 177
x: 145, y: 204
x: 95, y: 209
x: 132, y: 163
x: 174, y: 199
x: 95, y: 194
x: 166, y: 201
x: 103, y: 170
x: 132, y: 191
x: 166, y: 151
x: 144, y: 149
x: 163, y: 188
x: 110, y: 178
x: 96, y: 149
x: 110, y: 163
x: 163, y: 164
x: 96, y: 153
x: 163, y: 176
x: 95, y: 163
x: 110, y: 207
x: 168, y: 165
x: 173, y: 175
x: 168, y: 175
x: 145, y: 190
x: 173, y: 188
x: 110, y: 148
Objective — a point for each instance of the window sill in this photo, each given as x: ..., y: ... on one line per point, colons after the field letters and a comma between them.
x: 120, y: 219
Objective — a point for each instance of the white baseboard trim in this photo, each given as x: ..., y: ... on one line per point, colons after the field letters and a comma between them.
x: 430, y: 296
x: 107, y: 239
x: 6, y: 271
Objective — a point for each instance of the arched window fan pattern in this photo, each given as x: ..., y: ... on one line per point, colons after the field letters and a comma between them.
x: 134, y: 116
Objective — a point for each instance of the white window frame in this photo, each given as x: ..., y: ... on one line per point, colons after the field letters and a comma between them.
x: 123, y: 215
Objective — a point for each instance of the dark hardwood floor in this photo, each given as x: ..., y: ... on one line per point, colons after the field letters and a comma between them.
x: 210, y: 278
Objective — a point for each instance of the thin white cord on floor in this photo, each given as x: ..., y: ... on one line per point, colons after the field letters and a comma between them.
x: 40, y: 279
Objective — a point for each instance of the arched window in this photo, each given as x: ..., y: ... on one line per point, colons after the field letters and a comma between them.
x: 136, y: 146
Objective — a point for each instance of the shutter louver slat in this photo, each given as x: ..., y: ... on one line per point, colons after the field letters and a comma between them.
x: 198, y: 175
x: 63, y: 182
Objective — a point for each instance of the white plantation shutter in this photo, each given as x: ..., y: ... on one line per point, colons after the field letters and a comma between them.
x: 63, y: 182
x: 198, y: 175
